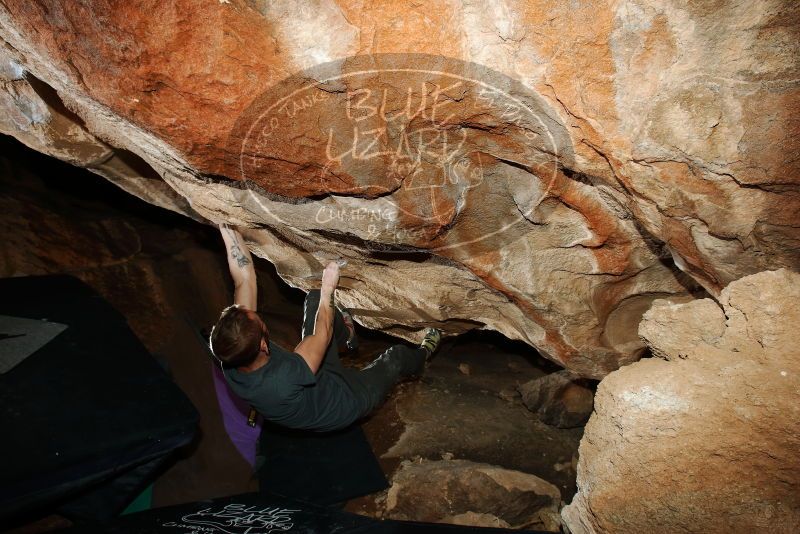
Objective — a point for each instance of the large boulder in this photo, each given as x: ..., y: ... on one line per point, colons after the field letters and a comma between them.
x: 704, y: 437
x: 542, y: 168
x: 468, y: 493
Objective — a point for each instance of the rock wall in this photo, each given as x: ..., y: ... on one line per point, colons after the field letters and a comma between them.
x: 704, y: 437
x: 543, y: 168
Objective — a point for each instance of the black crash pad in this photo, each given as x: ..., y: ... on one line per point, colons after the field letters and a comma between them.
x: 87, y: 416
x: 254, y: 513
x: 323, y: 468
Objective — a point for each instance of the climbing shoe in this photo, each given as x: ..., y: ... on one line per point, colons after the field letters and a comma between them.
x: 431, y: 340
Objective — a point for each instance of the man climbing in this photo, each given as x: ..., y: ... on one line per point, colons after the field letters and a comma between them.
x: 307, y: 388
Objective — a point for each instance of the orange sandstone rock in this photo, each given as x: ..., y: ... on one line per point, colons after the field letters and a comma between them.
x: 704, y: 437
x: 537, y: 167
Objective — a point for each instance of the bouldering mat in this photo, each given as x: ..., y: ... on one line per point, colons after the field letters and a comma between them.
x: 89, y: 415
x: 322, y: 468
x: 258, y: 513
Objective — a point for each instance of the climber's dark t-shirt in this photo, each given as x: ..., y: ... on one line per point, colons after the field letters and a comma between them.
x: 286, y: 392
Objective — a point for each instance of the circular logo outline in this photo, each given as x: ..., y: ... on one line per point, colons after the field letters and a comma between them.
x: 315, y: 83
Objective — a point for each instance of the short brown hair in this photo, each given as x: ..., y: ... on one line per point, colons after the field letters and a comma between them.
x: 236, y: 338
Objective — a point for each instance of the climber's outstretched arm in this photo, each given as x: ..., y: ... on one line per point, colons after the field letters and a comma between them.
x: 313, y: 347
x: 240, y: 264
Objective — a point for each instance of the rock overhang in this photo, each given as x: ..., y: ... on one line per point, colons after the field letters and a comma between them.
x: 646, y: 152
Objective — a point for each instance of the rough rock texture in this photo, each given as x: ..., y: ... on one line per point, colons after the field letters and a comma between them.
x: 713, y: 444
x: 525, y: 166
x: 559, y: 399
x: 468, y: 493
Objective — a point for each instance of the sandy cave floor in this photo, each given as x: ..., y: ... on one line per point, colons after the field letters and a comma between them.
x: 466, y: 407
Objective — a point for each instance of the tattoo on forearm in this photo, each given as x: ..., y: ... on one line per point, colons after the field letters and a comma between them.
x: 238, y: 256
x: 332, y: 299
x: 236, y: 249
